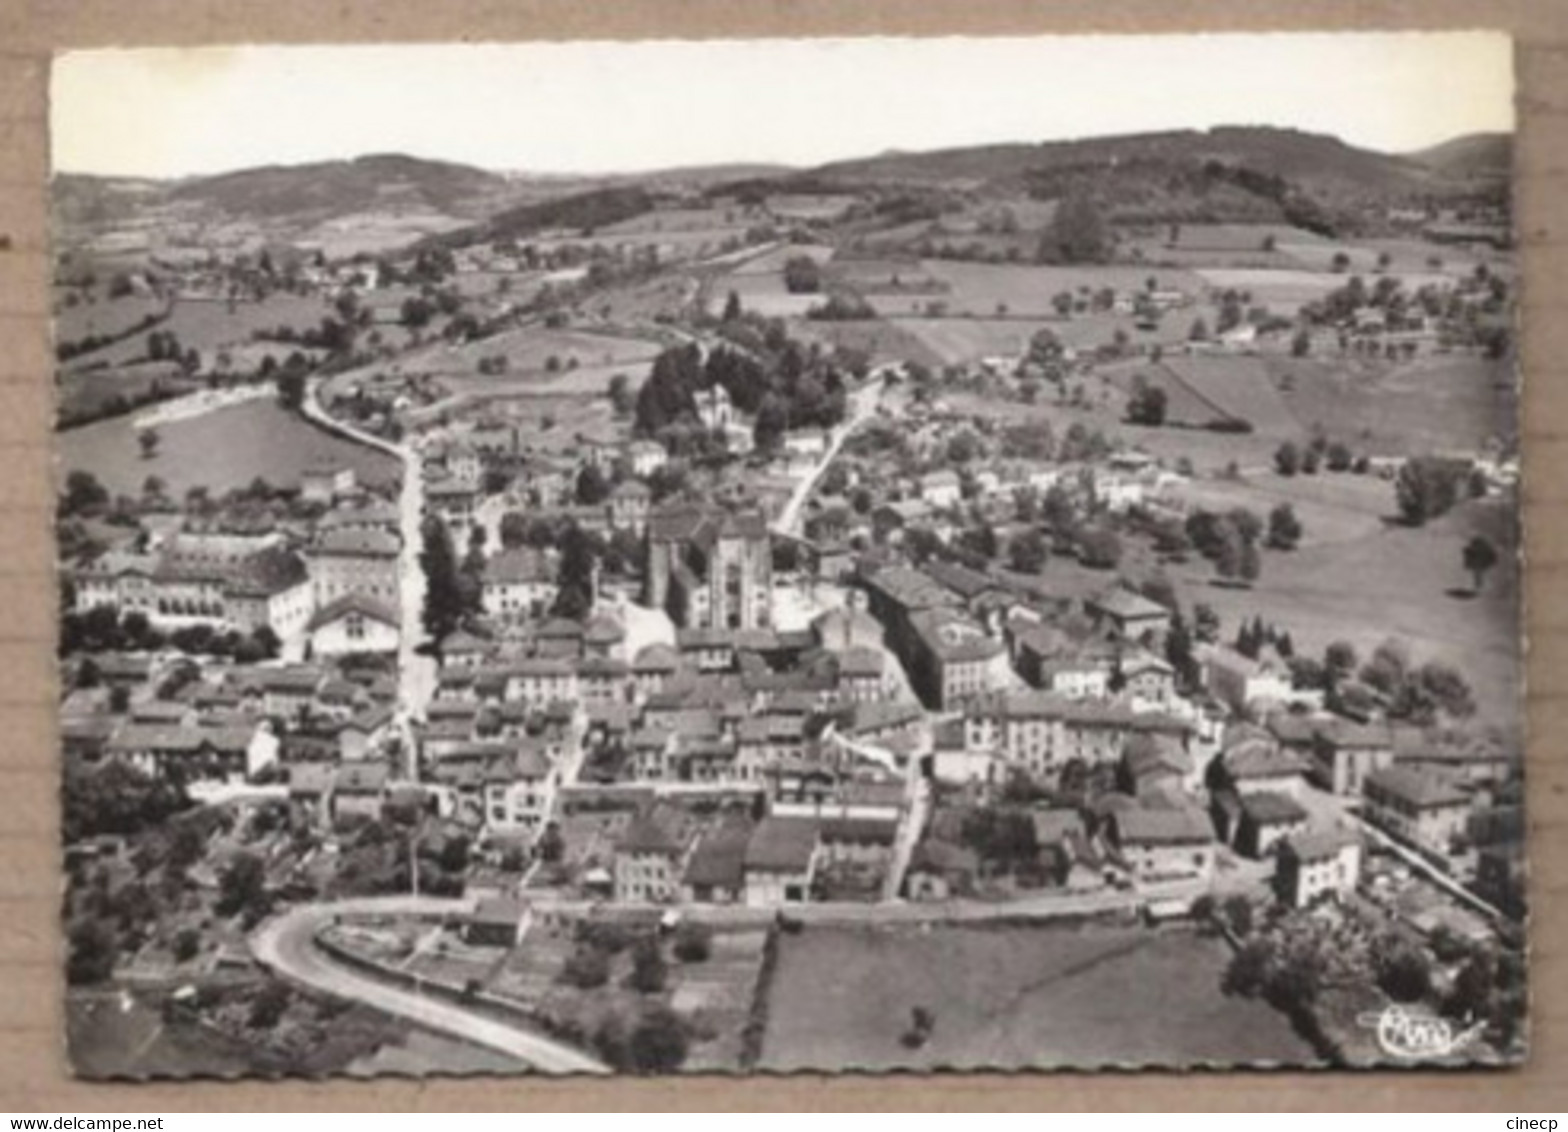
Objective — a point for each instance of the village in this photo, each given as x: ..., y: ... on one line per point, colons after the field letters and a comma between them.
x: 630, y: 617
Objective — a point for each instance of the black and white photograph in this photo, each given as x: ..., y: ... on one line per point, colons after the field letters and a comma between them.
x: 752, y: 556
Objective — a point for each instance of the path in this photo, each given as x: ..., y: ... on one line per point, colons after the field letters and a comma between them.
x: 286, y: 944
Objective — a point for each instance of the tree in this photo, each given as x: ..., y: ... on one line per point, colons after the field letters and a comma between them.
x: 1147, y: 406
x: 1077, y: 233
x: 1339, y: 661
x: 1479, y: 557
x: 620, y: 391
x: 268, y: 1005
x: 1199, y: 331
x: 1238, y: 914
x: 1403, y: 973
x: 693, y: 942
x: 241, y: 886
x: 444, y: 594
x: 148, y: 439
x: 649, y: 972
x: 592, y: 486
x: 291, y: 389
x: 1284, y: 528
x: 1301, y: 344
x: 1099, y: 549
x: 1287, y: 459
x: 1026, y: 553
x: 575, y: 580
x: 587, y: 967
x: 1428, y: 486
x: 802, y: 276
x: 93, y: 952
x: 658, y: 1043
x: 732, y: 308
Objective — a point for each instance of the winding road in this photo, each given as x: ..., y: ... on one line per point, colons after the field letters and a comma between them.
x: 286, y: 944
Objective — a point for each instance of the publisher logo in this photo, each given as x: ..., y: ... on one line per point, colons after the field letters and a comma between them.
x: 1417, y: 1035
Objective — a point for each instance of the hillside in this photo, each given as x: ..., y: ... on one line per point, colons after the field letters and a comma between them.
x: 1473, y: 155
x: 333, y: 188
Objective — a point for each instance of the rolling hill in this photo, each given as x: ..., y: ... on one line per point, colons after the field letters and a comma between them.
x: 334, y: 188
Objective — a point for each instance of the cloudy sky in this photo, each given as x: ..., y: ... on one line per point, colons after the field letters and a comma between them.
x: 600, y: 107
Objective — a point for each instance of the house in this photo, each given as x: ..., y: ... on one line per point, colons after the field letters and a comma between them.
x: 1148, y: 682
x: 716, y: 871
x: 650, y: 860
x: 1129, y: 615
x: 1416, y: 806
x: 1312, y: 866
x: 498, y: 921
x: 941, y: 489
x: 950, y: 658
x: 1252, y: 762
x: 354, y: 623
x: 629, y: 505
x: 191, y: 754
x: 714, y: 408
x: 1164, y: 844
x: 358, y: 791
x: 1266, y: 819
x: 1245, y: 684
x: 327, y: 483
x: 518, y: 584
x: 646, y: 457
x: 781, y: 861
x: 1345, y: 752
x: 347, y: 560
x: 1040, y: 732
x: 519, y: 791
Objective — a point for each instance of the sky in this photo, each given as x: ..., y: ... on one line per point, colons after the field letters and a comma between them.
x: 596, y: 107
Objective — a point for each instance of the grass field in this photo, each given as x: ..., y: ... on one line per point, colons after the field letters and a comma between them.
x: 220, y: 450
x: 1013, y: 997
x: 1358, y: 578
x: 978, y: 288
x: 1431, y: 404
x: 209, y: 326
x: 102, y: 318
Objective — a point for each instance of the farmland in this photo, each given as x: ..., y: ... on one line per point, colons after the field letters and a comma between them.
x: 219, y: 450
x: 1013, y: 997
x: 209, y: 327
x: 981, y: 289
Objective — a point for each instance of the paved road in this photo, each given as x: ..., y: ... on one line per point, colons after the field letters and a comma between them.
x: 416, y: 673
x: 863, y: 403
x: 286, y: 944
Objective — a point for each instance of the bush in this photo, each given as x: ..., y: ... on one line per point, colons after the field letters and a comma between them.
x: 186, y: 945
x: 649, y: 973
x: 587, y: 967
x: 268, y: 1006
x: 693, y: 943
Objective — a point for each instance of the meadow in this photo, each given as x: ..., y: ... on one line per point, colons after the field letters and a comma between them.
x: 209, y: 326
x: 1013, y: 997
x: 223, y: 449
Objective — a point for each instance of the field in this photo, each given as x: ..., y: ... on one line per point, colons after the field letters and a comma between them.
x: 883, y: 340
x: 1358, y: 578
x: 1015, y: 996
x: 210, y: 327
x: 529, y: 351
x: 1240, y: 387
x: 1434, y: 403
x: 981, y: 289
x: 220, y: 450
x: 103, y: 318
